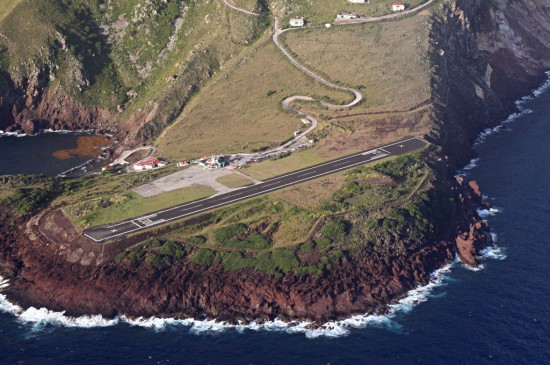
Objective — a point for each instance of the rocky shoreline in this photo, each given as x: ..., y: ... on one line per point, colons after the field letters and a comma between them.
x: 43, y: 277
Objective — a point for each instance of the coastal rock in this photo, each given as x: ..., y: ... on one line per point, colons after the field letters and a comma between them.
x: 473, y: 234
x: 352, y: 286
x: 30, y: 126
x: 470, y: 243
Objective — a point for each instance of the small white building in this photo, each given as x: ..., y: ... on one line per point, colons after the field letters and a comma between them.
x: 297, y: 22
x: 359, y: 1
x: 212, y: 163
x: 398, y: 6
x: 347, y: 16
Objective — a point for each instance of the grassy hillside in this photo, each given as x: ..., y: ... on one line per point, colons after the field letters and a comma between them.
x: 141, y: 59
x: 388, y: 61
x: 317, y: 12
x: 240, y: 110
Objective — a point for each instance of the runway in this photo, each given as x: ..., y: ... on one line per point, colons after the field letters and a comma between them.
x: 108, y: 232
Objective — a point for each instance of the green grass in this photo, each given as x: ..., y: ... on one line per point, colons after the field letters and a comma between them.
x: 388, y: 61
x: 118, y: 207
x: 6, y: 6
x: 321, y: 11
x: 234, y: 181
x: 240, y: 110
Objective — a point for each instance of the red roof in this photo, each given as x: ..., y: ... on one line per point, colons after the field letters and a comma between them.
x: 398, y: 4
x: 150, y: 161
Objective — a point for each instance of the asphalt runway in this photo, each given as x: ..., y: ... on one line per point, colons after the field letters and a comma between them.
x: 118, y: 230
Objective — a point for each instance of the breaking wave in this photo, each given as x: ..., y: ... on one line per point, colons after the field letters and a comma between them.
x: 44, y: 131
x: 40, y: 319
x: 520, y: 104
x: 464, y: 171
x: 486, y: 213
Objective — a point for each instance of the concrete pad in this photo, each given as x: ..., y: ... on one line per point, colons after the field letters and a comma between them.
x: 190, y: 176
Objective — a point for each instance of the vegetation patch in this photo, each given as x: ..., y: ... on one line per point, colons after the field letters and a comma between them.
x: 120, y: 206
x: 234, y: 181
x: 388, y: 61
x: 239, y: 236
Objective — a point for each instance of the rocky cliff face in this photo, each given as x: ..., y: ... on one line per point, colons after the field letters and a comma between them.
x: 487, y: 54
x: 353, y: 285
x: 27, y: 105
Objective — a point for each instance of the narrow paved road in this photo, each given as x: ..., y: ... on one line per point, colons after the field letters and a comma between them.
x: 357, y: 94
x: 108, y: 232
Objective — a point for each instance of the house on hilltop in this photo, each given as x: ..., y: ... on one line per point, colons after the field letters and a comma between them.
x: 347, y: 16
x: 398, y: 6
x: 297, y: 22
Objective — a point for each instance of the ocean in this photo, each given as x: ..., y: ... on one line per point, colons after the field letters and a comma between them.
x: 499, y: 314
x: 35, y: 154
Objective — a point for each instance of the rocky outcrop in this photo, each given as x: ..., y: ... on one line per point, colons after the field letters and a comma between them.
x: 472, y: 233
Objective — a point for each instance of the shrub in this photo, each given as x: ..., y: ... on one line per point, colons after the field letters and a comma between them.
x: 332, y: 231
x: 173, y: 249
x: 196, y: 240
x: 309, y: 246
x: 234, y: 261
x: 204, y: 257
x: 230, y: 232
x: 135, y: 255
x: 26, y: 200
x: 157, y: 261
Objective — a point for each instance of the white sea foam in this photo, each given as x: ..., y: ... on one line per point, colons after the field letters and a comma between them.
x: 544, y: 86
x: 520, y: 104
x: 471, y: 165
x: 493, y: 252
x: 42, y: 318
x: 486, y: 213
x: 45, y: 131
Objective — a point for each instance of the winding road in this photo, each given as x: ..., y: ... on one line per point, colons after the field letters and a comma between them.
x: 357, y: 94
x: 286, y: 103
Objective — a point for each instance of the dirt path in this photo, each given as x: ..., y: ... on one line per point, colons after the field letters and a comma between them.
x: 228, y: 4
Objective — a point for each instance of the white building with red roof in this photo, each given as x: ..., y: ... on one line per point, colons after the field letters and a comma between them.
x: 149, y: 164
x: 398, y: 6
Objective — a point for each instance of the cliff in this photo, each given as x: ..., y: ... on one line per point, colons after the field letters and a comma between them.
x: 487, y: 54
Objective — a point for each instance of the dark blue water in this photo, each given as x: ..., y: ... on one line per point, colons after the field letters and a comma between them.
x: 34, y: 154
x: 499, y: 315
